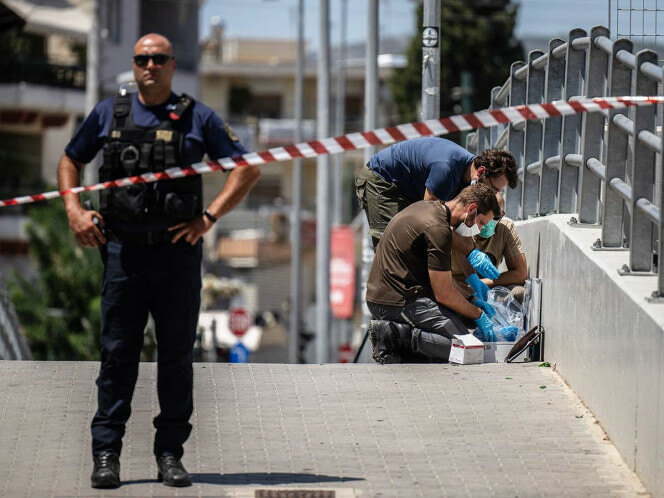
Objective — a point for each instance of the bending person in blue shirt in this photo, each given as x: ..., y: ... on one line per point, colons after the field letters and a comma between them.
x: 430, y: 168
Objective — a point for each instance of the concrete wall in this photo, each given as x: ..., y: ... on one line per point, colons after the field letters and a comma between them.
x: 605, y: 339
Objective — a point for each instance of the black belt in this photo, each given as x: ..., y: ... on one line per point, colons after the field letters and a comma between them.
x: 144, y: 238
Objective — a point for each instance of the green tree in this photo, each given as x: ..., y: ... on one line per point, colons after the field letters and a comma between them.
x: 476, y: 36
x: 60, y: 309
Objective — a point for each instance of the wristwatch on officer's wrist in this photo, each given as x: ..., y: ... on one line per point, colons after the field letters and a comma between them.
x: 209, y: 216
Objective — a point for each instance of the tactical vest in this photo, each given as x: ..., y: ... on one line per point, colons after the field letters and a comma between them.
x: 132, y: 150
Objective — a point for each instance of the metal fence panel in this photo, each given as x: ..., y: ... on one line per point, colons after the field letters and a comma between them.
x: 515, y: 141
x: 620, y: 83
x: 548, y: 184
x: 643, y: 170
x: 533, y: 137
x: 575, y: 67
x: 593, y: 129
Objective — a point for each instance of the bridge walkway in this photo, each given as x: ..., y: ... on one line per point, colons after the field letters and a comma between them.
x: 351, y: 430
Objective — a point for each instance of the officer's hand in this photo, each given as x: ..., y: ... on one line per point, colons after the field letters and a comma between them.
x: 482, y: 264
x: 192, y: 230
x: 86, y: 232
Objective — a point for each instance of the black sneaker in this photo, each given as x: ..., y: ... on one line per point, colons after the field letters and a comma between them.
x: 171, y: 471
x: 384, y: 341
x: 106, y: 472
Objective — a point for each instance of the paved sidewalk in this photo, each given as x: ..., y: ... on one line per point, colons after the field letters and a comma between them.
x: 357, y: 430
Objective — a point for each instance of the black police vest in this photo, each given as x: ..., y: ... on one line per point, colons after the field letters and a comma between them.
x: 132, y: 150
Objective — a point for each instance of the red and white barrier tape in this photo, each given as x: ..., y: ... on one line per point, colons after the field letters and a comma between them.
x: 361, y: 140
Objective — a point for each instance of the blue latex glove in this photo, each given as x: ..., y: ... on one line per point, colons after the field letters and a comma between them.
x: 508, y: 333
x: 482, y: 264
x: 480, y: 288
x: 486, y: 327
x: 486, y: 307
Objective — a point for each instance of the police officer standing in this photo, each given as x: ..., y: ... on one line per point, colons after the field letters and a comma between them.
x: 151, y: 248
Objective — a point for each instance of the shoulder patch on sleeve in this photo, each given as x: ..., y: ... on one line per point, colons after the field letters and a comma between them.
x: 231, y: 134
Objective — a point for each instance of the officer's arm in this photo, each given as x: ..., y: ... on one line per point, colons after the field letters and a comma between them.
x: 80, y: 220
x: 446, y: 294
x: 238, y: 185
x: 69, y: 176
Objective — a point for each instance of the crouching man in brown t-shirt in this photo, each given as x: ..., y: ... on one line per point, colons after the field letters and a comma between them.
x: 411, y: 294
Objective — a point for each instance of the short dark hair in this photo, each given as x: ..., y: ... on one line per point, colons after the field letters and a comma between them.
x: 498, y: 162
x: 483, y: 196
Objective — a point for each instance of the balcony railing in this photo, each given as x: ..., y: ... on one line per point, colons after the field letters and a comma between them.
x: 42, y: 72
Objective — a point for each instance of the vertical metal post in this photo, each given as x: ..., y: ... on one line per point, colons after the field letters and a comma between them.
x: 370, y: 115
x: 494, y: 131
x: 92, y: 76
x: 431, y: 60
x: 533, y: 137
x: 593, y: 130
x: 296, y: 221
x: 548, y: 183
x: 323, y: 189
x: 660, y: 232
x: 469, y: 142
x: 575, y: 68
x: 643, y: 170
x: 620, y: 83
x: 340, y: 116
x: 515, y: 141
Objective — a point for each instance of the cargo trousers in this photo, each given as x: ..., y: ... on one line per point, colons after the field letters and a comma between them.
x: 380, y: 199
x: 433, y: 325
x: 163, y: 280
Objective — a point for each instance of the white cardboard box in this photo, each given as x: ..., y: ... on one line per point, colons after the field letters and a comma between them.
x: 495, y: 352
x: 466, y: 350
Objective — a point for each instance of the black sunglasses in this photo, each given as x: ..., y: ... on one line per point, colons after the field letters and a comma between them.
x: 158, y: 59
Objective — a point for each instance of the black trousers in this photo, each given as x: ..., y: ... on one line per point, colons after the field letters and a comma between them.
x: 434, y: 325
x: 163, y: 280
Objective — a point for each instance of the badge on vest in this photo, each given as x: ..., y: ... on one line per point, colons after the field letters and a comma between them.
x: 165, y: 135
x: 116, y: 134
x: 231, y: 134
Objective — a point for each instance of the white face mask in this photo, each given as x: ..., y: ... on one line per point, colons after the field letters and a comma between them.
x: 466, y: 231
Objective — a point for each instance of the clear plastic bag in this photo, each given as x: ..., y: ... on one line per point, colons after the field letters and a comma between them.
x: 508, y: 320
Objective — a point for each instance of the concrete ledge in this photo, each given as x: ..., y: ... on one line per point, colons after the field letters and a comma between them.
x: 606, y: 340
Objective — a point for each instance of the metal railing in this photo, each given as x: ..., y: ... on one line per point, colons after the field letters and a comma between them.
x: 606, y: 166
x: 13, y: 345
x: 42, y: 72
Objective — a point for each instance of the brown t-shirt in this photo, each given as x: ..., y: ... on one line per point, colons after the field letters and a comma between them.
x: 504, y: 243
x: 416, y: 240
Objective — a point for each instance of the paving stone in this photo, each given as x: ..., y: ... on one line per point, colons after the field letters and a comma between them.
x: 357, y: 430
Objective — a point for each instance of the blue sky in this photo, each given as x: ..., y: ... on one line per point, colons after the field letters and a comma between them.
x: 276, y: 18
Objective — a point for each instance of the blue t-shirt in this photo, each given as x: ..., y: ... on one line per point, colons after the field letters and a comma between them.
x: 435, y: 163
x: 204, y: 131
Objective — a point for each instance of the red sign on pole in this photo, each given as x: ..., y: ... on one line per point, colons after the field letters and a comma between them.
x: 239, y: 321
x: 342, y: 271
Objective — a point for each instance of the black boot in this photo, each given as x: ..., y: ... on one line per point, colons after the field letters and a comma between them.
x: 172, y: 472
x: 385, y: 342
x: 106, y: 472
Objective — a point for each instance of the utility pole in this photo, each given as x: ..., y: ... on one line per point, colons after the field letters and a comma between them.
x: 323, y: 189
x: 338, y: 328
x: 340, y: 115
x: 296, y: 211
x: 370, y: 118
x: 431, y: 60
x: 92, y: 76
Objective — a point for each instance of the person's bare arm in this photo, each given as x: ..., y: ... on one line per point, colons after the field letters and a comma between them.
x: 80, y: 220
x: 463, y: 262
x: 239, y: 183
x: 446, y: 293
x: 464, y: 245
x: 428, y: 196
x: 516, y: 274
